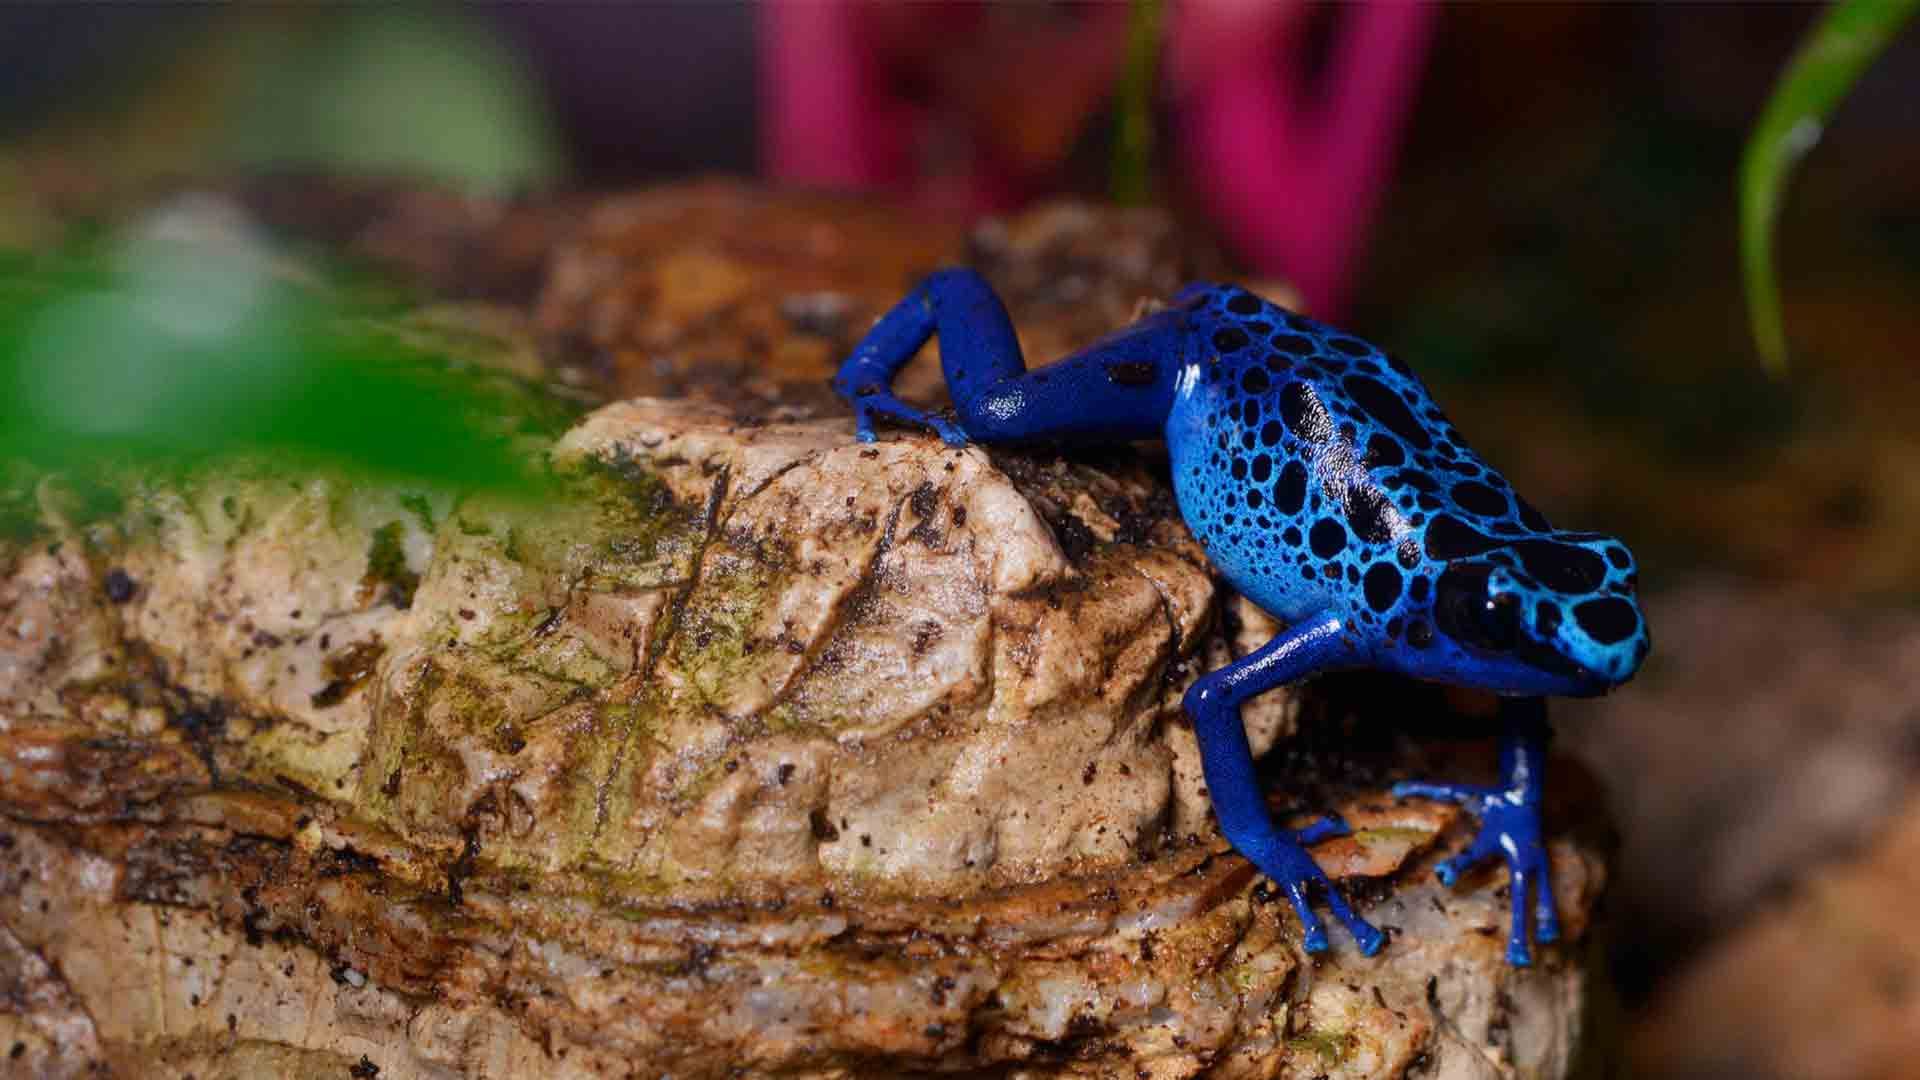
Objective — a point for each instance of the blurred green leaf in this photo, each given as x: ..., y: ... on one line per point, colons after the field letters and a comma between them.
x: 409, y: 90
x: 169, y: 349
x: 1839, y: 49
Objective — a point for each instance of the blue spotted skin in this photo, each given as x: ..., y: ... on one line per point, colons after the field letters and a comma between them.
x: 1327, y: 488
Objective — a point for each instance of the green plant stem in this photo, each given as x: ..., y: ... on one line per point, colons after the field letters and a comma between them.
x: 1133, y: 142
x: 1839, y: 49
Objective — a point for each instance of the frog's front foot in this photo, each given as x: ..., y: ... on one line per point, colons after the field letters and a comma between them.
x: 1510, y: 827
x: 1509, y: 815
x: 1214, y: 701
x: 873, y: 400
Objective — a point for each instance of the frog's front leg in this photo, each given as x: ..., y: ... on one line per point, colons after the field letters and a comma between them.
x: 1509, y: 815
x: 1214, y: 703
x: 1120, y: 388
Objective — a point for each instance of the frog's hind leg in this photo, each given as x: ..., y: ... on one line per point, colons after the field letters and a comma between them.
x: 978, y: 349
x: 1120, y: 388
x: 1509, y: 815
x: 1214, y: 703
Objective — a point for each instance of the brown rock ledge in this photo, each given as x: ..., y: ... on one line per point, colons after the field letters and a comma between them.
x: 772, y: 754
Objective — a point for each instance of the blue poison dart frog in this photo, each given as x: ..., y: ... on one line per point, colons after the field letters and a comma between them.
x: 1328, y: 489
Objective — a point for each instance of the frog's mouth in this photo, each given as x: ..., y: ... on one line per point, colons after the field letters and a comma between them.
x: 1580, y: 682
x: 1541, y: 656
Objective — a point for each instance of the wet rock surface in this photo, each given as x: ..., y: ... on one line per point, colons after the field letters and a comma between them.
x: 761, y: 752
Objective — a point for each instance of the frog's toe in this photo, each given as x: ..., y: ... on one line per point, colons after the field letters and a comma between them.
x: 1528, y: 869
x: 1326, y: 828
x: 863, y: 422
x: 1485, y: 846
x: 1454, y: 793
x: 1313, y: 933
x: 948, y: 431
x: 1365, y: 934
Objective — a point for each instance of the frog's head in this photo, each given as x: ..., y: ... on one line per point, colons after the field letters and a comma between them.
x: 1553, y: 613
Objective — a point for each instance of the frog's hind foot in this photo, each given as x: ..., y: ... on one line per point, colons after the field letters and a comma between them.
x: 1117, y: 389
x: 871, y: 400
x: 978, y: 348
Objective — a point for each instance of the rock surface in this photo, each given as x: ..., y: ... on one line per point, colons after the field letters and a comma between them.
x: 774, y: 750
x: 764, y: 752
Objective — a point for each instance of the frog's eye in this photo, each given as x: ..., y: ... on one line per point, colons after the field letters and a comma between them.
x: 1465, y: 612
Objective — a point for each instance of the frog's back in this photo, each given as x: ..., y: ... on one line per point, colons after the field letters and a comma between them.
x: 1305, y: 457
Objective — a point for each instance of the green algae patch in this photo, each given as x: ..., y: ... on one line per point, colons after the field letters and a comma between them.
x: 786, y: 718
x: 396, y: 760
x: 536, y: 614
x: 642, y: 527
x: 421, y: 508
x: 606, y: 528
x: 715, y: 640
x: 577, y: 752
x: 563, y: 661
x: 1331, y: 1047
x: 601, y: 813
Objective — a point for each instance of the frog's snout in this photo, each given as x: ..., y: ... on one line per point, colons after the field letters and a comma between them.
x: 1615, y: 636
x: 1596, y: 622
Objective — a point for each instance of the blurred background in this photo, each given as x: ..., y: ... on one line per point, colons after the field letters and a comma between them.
x: 1536, y: 204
